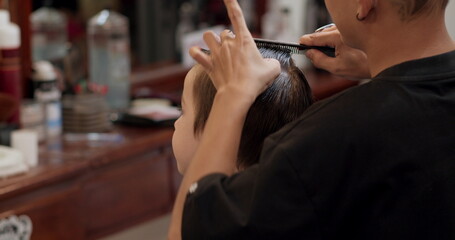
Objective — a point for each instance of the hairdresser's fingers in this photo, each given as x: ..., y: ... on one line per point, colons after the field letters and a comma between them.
x: 350, y: 63
x: 226, y: 34
x: 236, y: 16
x: 320, y: 60
x: 324, y: 38
x: 202, y: 58
x: 212, y: 40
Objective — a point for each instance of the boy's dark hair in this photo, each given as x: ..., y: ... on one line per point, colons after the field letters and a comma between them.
x: 282, y: 102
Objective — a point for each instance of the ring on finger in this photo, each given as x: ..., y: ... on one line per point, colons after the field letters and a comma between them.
x: 227, y: 34
x: 324, y: 27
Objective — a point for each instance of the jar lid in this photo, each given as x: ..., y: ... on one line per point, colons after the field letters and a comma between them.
x: 44, y: 71
x: 108, y: 20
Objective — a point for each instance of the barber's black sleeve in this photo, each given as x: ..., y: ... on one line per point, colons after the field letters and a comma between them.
x: 266, y: 201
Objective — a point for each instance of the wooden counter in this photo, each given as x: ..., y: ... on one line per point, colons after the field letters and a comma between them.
x: 89, y: 189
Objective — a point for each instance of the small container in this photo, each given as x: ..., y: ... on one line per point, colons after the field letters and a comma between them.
x: 47, y: 92
x: 85, y: 113
x: 26, y: 141
x: 33, y: 117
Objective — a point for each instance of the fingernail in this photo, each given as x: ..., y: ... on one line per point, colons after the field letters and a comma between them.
x: 324, y: 27
x: 206, y: 51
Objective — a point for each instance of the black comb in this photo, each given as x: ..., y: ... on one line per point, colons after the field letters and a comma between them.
x: 293, y: 47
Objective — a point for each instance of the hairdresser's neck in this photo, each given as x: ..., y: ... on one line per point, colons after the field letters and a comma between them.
x: 397, y: 43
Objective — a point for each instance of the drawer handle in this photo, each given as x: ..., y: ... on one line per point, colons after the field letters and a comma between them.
x: 14, y: 227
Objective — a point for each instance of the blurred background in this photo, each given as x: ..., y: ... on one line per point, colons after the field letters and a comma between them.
x: 89, y: 91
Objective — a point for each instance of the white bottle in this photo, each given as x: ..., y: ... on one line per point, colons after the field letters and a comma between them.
x: 10, y: 37
x: 109, y: 58
x: 47, y: 92
x: 49, y: 34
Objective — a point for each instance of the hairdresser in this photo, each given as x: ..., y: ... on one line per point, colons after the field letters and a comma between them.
x: 374, y: 162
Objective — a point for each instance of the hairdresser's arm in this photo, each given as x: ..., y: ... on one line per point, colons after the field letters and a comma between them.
x: 349, y: 62
x: 240, y: 74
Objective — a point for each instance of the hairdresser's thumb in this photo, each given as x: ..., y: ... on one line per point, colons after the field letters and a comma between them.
x: 274, y: 66
x: 272, y: 69
x: 320, y: 60
x: 310, y: 54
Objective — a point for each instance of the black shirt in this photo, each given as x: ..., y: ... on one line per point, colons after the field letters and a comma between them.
x: 374, y: 162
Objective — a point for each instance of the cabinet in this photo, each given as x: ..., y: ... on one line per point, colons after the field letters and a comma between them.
x: 52, y: 210
x: 88, y: 189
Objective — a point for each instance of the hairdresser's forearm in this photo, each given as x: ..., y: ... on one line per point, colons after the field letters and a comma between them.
x: 217, y: 151
x: 218, y: 148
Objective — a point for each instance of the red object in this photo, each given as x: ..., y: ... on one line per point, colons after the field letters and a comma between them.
x: 10, y: 78
x: 98, y: 88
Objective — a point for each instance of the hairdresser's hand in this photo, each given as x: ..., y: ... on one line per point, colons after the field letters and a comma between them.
x: 235, y: 63
x: 349, y: 62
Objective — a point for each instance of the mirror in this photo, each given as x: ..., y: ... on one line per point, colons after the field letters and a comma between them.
x: 155, y: 26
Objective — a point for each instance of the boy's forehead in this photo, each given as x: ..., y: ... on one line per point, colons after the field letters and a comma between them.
x: 191, y: 76
x: 189, y: 82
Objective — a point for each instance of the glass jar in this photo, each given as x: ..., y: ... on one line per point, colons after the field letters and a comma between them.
x: 109, y: 58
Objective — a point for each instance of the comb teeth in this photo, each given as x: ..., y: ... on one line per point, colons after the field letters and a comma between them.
x: 292, y: 47
x: 282, y: 48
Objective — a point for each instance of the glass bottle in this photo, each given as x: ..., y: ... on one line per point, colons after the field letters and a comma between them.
x: 49, y: 34
x: 109, y: 58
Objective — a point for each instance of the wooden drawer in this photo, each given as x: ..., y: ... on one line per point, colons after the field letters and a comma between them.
x: 53, y: 211
x: 127, y: 192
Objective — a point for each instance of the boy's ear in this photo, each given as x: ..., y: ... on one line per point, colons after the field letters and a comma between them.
x: 364, y: 8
